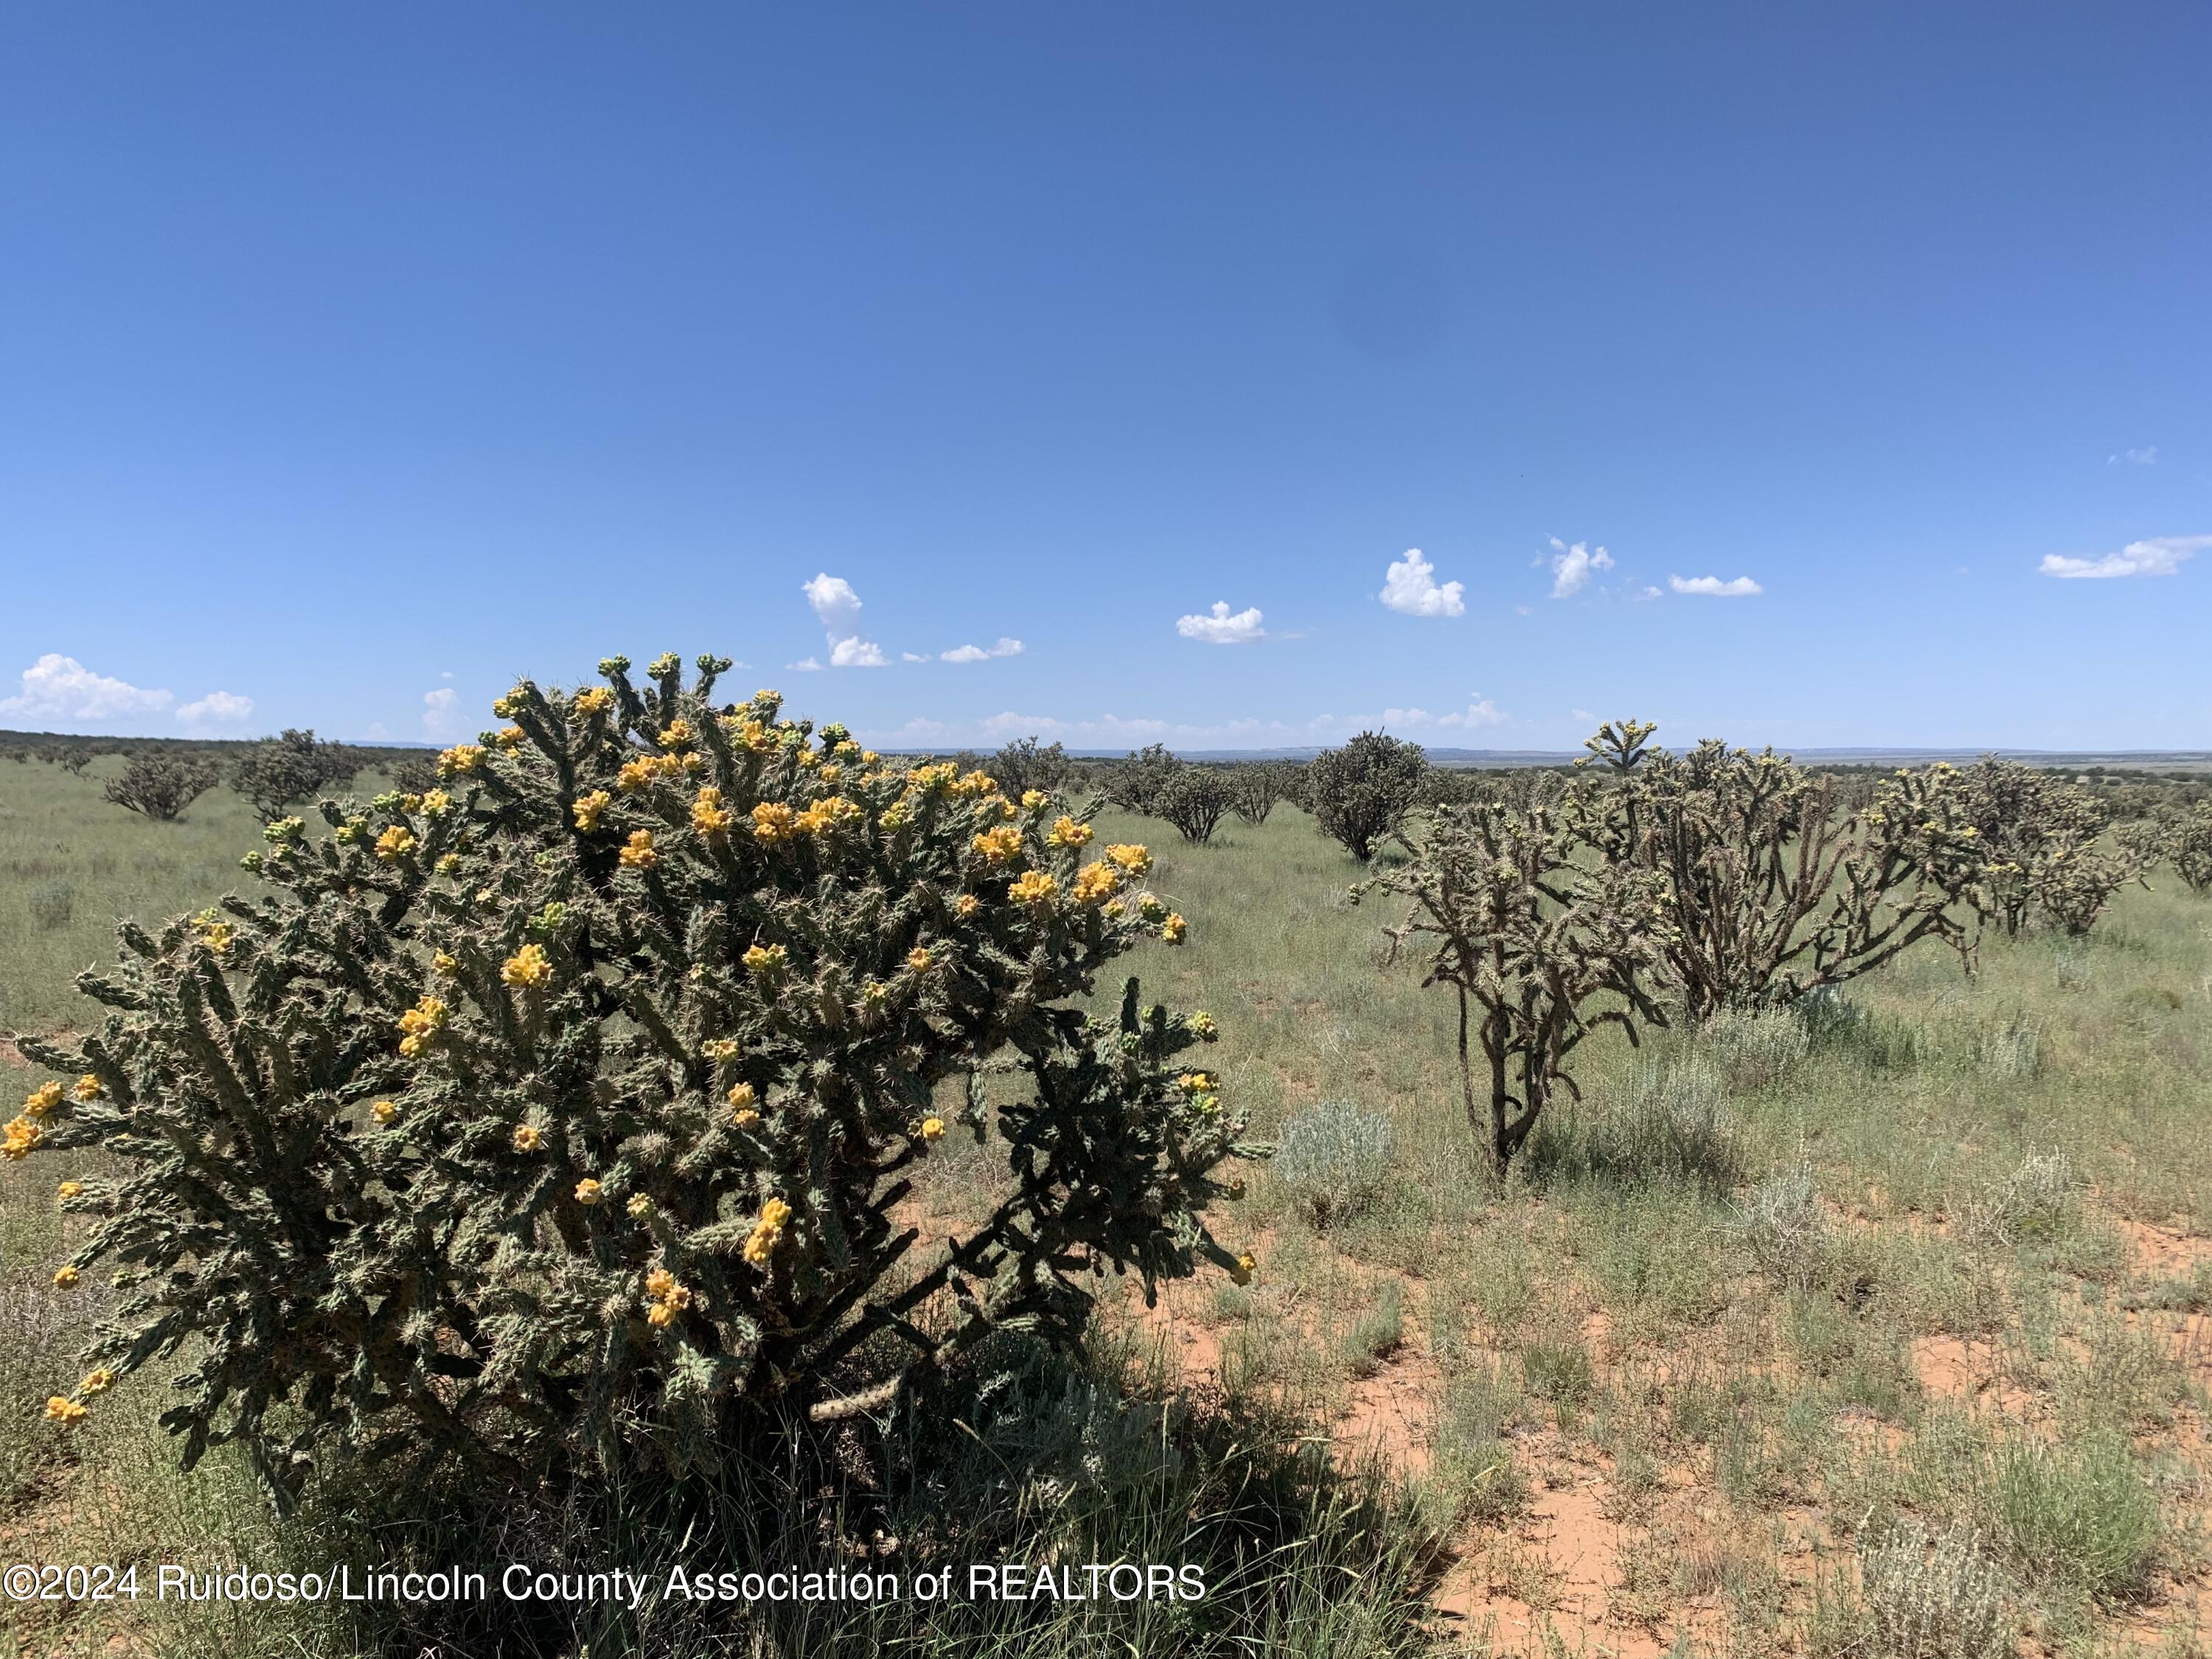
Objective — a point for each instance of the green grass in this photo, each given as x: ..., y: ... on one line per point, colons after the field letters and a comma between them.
x: 1977, y: 1159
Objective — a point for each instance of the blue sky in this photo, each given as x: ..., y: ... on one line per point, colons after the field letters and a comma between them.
x: 355, y: 360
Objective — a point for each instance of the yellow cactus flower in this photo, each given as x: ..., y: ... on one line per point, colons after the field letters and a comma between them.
x: 445, y: 964
x: 742, y: 1097
x: 764, y: 958
x: 639, y: 853
x: 1035, y: 887
x: 67, y: 1413
x: 509, y: 737
x: 708, y: 816
x: 592, y: 699
x: 760, y: 1244
x: 1172, y: 929
x: 933, y: 1128
x: 1066, y: 832
x: 18, y: 1140
x: 437, y: 803
x: 65, y: 1277
x: 635, y: 776
x: 87, y: 1088
x: 869, y: 758
x: 97, y: 1382
x: 919, y: 959
x: 1000, y: 846
x: 588, y: 808
x: 719, y: 1048
x: 640, y: 1207
x: 745, y: 1117
x: 826, y: 813
x: 527, y: 969
x: 1131, y: 860
x: 70, y: 1189
x: 43, y: 1099
x: 383, y: 1111
x: 420, y: 1026
x: 967, y: 905
x: 1246, y: 1265
x: 1095, y: 882
x: 394, y: 842
x: 525, y: 1138
x: 774, y: 823
x: 587, y: 1192
x: 677, y: 734
x: 460, y: 760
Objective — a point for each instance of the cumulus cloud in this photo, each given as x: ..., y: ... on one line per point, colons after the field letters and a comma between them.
x: 441, y: 712
x: 2144, y: 457
x: 1712, y: 587
x: 217, y: 708
x: 1410, y: 587
x: 1479, y: 711
x: 1572, y: 567
x: 1004, y: 647
x: 837, y: 608
x: 2161, y: 556
x: 805, y: 665
x: 1221, y: 627
x: 58, y: 687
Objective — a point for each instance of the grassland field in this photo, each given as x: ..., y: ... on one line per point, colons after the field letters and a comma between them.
x: 1753, y: 1339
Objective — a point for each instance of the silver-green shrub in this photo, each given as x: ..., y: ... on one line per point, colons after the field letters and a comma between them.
x: 1334, y: 1159
x: 1758, y: 1046
x: 1784, y: 1227
x: 1933, y: 1595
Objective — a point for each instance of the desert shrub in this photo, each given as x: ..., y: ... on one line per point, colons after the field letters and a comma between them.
x: 1557, y: 1368
x: 51, y: 904
x: 1360, y: 794
x: 2040, y: 839
x: 160, y: 786
x: 1135, y: 783
x: 2079, y: 1518
x: 73, y: 760
x: 1255, y: 788
x: 1933, y: 1595
x: 1758, y: 1046
x: 1378, y: 1332
x: 1774, y: 889
x: 1027, y: 764
x: 1334, y: 1159
x: 1541, y: 944
x: 1784, y: 1229
x: 558, y: 1117
x: 1194, y: 799
x: 294, y: 766
x: 2012, y: 1049
x: 2073, y: 972
x: 2033, y: 1202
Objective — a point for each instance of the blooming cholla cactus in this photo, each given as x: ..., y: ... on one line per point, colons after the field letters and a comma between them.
x: 569, y: 1103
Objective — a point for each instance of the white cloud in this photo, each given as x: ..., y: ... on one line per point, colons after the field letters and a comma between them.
x: 58, y: 687
x: 376, y: 730
x: 1004, y: 647
x: 217, y: 708
x: 1479, y: 711
x: 1221, y: 627
x: 441, y: 712
x: 1410, y: 587
x: 915, y: 656
x: 1572, y: 567
x: 2161, y: 556
x: 1580, y: 715
x: 805, y: 665
x: 837, y: 608
x: 2144, y: 457
x: 1713, y: 587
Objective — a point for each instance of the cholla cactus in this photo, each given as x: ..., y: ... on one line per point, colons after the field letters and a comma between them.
x: 1772, y: 888
x: 566, y: 1105
x: 2040, y: 835
x: 1361, y: 794
x: 1541, y: 942
x: 2189, y: 845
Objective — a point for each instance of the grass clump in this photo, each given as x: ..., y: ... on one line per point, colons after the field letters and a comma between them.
x: 1781, y: 1225
x: 1758, y: 1046
x: 2078, y: 1520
